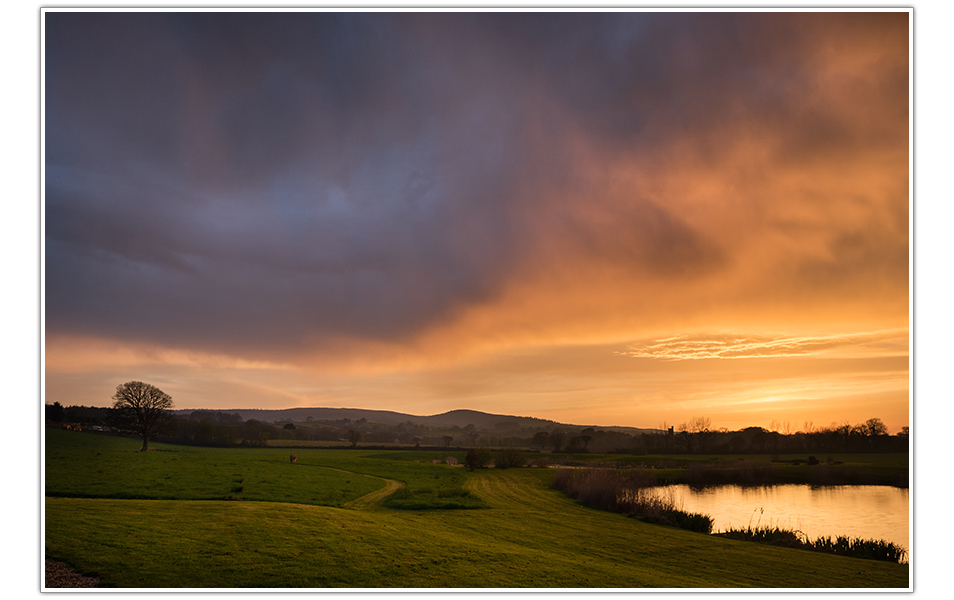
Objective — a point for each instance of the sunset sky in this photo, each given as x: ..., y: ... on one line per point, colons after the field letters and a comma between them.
x: 597, y: 218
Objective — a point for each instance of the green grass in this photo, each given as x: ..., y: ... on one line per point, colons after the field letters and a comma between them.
x: 98, y: 466
x: 446, y: 498
x: 526, y: 536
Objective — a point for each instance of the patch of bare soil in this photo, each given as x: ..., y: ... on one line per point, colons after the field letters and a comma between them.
x: 61, y: 575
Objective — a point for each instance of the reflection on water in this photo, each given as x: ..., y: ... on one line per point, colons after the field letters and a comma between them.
x: 863, y: 511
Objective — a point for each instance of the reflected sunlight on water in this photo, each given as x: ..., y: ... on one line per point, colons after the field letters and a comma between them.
x: 863, y: 511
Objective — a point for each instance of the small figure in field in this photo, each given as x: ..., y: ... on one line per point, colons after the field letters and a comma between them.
x: 293, y: 458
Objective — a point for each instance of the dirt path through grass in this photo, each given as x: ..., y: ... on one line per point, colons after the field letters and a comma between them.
x: 374, y: 499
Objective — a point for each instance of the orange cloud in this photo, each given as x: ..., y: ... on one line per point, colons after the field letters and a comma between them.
x: 739, y: 346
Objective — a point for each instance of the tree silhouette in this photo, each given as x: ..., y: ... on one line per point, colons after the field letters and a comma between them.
x: 55, y: 412
x: 540, y: 439
x: 875, y: 427
x: 557, y: 437
x: 477, y: 458
x: 144, y: 408
x: 700, y: 428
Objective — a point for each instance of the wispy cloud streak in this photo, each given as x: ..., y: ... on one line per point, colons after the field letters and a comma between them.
x: 735, y: 345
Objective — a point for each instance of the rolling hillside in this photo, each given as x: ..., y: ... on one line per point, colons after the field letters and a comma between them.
x: 460, y: 418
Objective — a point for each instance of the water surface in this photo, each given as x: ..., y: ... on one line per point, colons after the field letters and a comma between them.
x: 865, y: 511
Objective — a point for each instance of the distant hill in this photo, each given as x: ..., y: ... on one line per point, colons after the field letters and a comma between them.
x: 460, y: 418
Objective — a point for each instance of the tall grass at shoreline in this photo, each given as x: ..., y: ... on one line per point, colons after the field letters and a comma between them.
x: 625, y: 492
x: 860, y: 548
x: 840, y: 545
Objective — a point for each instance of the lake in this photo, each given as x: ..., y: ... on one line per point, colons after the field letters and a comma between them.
x: 864, y: 511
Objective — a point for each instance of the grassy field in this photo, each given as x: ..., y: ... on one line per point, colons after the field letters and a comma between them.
x: 97, y: 466
x: 160, y: 520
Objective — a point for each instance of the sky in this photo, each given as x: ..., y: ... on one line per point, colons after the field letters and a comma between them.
x: 597, y: 218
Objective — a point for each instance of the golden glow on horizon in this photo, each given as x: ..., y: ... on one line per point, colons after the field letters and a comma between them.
x: 589, y: 384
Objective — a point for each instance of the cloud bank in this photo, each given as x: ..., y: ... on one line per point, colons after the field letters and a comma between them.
x: 264, y: 196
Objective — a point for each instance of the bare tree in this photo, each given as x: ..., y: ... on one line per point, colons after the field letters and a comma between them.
x: 353, y: 437
x: 144, y: 408
x: 447, y: 440
x: 701, y: 428
x: 700, y: 424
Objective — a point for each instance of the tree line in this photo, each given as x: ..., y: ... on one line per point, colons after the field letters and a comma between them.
x: 145, y: 410
x: 698, y: 437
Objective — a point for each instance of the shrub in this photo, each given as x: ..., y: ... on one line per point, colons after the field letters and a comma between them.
x: 697, y: 522
x: 510, y: 457
x: 477, y: 458
x: 766, y: 534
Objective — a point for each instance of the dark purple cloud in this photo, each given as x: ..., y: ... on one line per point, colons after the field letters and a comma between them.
x: 255, y: 183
